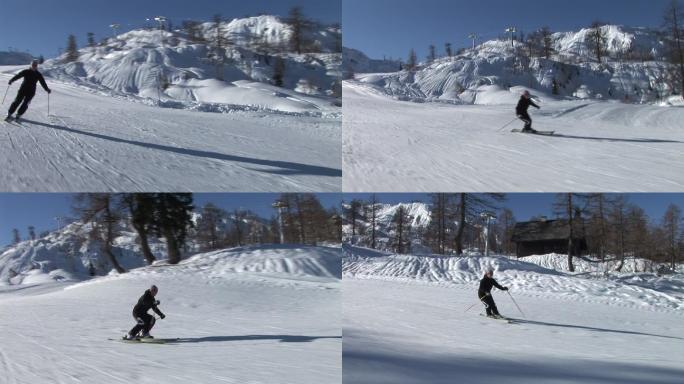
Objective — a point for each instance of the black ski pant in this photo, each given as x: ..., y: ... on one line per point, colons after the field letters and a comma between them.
x: 490, y: 305
x: 524, y: 116
x: 24, y: 99
x: 144, y: 321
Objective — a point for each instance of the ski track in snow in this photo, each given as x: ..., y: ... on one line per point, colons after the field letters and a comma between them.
x: 391, y: 145
x: 405, y: 333
x: 101, y: 144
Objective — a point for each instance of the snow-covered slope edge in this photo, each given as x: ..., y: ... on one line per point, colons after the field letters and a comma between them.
x: 640, y: 290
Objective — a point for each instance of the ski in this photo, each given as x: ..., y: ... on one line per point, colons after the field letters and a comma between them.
x: 509, y: 321
x: 542, y: 133
x: 145, y: 341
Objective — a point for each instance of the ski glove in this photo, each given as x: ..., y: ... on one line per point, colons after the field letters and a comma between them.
x: 157, y: 302
x: 162, y: 316
x: 505, y: 289
x: 49, y: 91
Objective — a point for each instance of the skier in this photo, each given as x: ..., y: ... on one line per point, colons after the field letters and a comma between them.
x: 485, y: 293
x: 27, y: 89
x: 521, y: 111
x: 144, y: 320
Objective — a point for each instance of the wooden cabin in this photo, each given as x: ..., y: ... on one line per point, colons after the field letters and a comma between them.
x: 542, y: 236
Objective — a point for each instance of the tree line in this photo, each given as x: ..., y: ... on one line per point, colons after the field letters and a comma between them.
x: 614, y: 228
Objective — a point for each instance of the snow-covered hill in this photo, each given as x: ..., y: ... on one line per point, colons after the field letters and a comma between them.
x: 71, y: 255
x: 172, y: 66
x: 242, y: 315
x: 418, y: 212
x: 410, y: 319
x: 355, y: 61
x: 477, y: 76
x: 67, y: 255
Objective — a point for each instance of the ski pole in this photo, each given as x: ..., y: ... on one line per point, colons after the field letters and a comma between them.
x: 509, y: 123
x: 471, y: 307
x: 6, y: 90
x: 48, y: 106
x: 516, y: 304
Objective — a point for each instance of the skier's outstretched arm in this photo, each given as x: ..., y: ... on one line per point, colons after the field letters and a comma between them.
x: 18, y: 76
x: 157, y: 311
x: 499, y: 286
x: 532, y: 103
x: 43, y: 84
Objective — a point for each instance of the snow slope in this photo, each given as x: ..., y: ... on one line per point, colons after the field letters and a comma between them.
x: 600, y: 146
x: 405, y: 321
x: 235, y: 323
x: 95, y: 142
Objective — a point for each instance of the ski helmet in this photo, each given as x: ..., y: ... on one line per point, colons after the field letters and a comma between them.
x: 489, y: 271
x: 34, y: 63
x: 526, y: 93
x: 154, y: 289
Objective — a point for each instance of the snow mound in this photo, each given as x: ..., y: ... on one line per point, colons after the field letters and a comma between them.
x: 290, y: 260
x: 641, y: 290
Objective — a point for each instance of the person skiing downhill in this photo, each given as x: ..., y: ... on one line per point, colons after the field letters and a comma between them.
x: 144, y: 320
x: 27, y: 90
x: 521, y: 110
x: 484, y: 292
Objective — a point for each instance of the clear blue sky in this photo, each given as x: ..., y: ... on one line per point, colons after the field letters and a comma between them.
x: 393, y: 27
x: 20, y: 210
x: 42, y: 26
x: 528, y: 205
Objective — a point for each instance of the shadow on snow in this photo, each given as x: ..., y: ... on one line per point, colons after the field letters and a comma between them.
x: 286, y: 167
x: 281, y: 338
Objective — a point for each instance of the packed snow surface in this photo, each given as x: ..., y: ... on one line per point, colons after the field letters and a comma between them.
x: 243, y: 315
x: 599, y: 146
x: 99, y: 143
x: 407, y: 320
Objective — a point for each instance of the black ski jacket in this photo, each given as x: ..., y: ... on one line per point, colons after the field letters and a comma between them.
x: 524, y: 105
x: 31, y: 78
x: 145, y: 303
x: 486, y: 285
